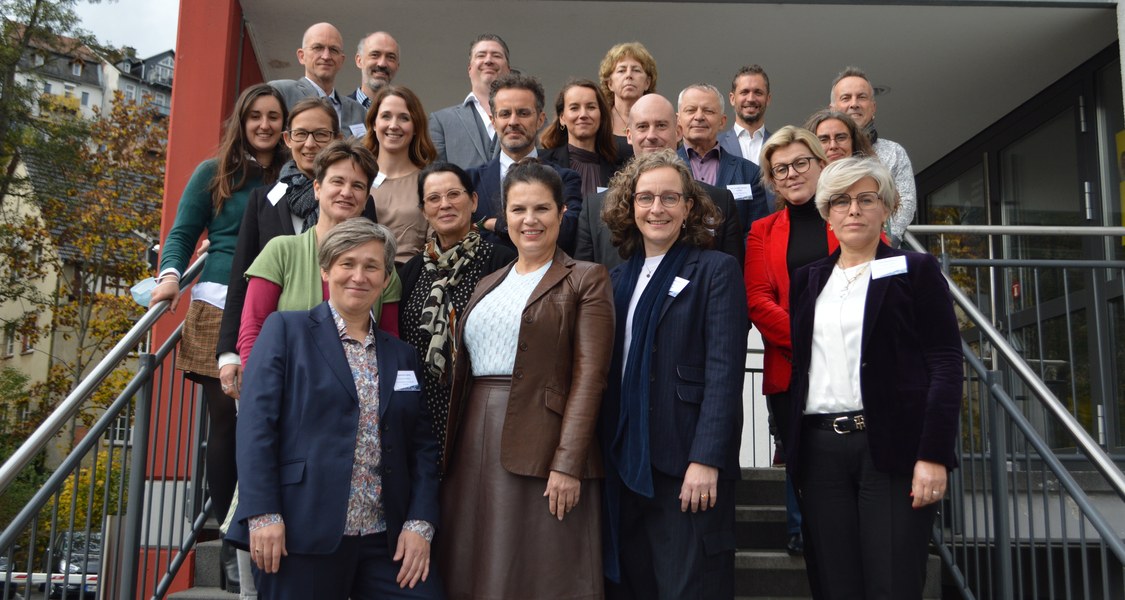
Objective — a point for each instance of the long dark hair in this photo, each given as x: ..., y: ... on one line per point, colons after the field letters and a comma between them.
x: 234, y: 165
x: 604, y: 144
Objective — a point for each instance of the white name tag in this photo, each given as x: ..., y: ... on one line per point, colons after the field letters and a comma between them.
x: 741, y: 191
x: 406, y: 382
x: 276, y: 193
x: 678, y: 285
x: 601, y: 189
x: 379, y: 179
x: 885, y: 267
x: 358, y: 130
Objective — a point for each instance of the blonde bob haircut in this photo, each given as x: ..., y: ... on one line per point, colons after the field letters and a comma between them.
x: 790, y: 134
x: 837, y: 177
x: 619, y: 215
x: 635, y: 51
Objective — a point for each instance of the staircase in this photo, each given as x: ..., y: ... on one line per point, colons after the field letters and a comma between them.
x: 763, y: 570
x: 206, y: 584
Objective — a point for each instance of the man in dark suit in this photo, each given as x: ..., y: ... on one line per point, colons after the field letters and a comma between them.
x: 322, y: 54
x: 463, y: 134
x: 377, y: 59
x: 338, y: 469
x: 750, y: 97
x: 517, y: 115
x: 701, y: 118
x: 652, y: 126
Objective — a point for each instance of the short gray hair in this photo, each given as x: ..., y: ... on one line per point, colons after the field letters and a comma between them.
x: 837, y: 177
x: 706, y: 87
x: 352, y: 234
x: 849, y: 71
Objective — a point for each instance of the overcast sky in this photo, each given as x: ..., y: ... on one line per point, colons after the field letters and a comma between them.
x: 147, y: 25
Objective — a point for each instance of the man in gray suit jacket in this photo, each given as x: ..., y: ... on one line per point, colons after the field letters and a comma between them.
x: 322, y: 54
x: 750, y: 97
x: 463, y: 133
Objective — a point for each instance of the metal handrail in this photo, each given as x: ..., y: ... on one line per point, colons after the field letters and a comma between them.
x: 70, y: 406
x: 1092, y: 231
x: 1046, y: 397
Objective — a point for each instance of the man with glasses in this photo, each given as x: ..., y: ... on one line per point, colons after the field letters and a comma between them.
x: 322, y: 54
x: 463, y: 133
x: 853, y: 94
x: 651, y: 127
x: 701, y: 118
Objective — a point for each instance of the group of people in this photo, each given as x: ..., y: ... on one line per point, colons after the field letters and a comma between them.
x: 476, y: 355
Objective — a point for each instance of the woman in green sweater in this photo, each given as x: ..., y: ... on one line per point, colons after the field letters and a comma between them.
x: 249, y: 155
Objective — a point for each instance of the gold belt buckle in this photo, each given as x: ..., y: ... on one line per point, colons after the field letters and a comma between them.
x: 857, y: 420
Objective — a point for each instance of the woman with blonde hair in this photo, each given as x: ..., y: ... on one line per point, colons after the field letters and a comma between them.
x: 627, y: 72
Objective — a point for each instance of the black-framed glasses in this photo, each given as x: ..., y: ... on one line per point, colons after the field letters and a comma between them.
x: 802, y: 164
x: 668, y: 199
x: 320, y: 135
x: 839, y: 138
x: 843, y: 202
x: 453, y: 196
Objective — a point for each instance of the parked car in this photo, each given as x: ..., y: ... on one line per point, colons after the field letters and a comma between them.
x: 77, y: 553
x: 10, y: 592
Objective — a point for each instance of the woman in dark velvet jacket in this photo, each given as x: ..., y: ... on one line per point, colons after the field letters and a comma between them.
x: 877, y: 377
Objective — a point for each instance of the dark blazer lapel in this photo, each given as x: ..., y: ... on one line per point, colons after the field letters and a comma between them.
x: 686, y: 272
x: 470, y: 120
x: 327, y: 342
x: 876, y: 292
x: 388, y: 371
x: 286, y: 218
x: 727, y: 167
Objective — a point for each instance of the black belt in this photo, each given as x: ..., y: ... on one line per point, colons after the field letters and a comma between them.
x: 840, y: 423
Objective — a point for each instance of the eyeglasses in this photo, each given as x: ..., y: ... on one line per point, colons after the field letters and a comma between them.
x: 321, y: 135
x: 668, y: 199
x: 839, y: 138
x: 453, y: 196
x: 333, y: 51
x: 781, y: 171
x: 843, y: 202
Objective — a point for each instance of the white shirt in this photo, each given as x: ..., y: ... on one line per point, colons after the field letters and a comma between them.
x: 650, y: 266
x: 837, y: 341
x: 751, y: 143
x: 484, y: 116
x: 507, y: 161
x: 492, y: 330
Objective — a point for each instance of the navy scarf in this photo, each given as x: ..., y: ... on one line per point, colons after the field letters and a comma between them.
x: 631, y: 441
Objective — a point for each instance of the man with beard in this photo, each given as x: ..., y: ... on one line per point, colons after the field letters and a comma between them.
x: 517, y: 102
x: 377, y: 59
x: 322, y: 54
x: 463, y: 133
x: 750, y: 97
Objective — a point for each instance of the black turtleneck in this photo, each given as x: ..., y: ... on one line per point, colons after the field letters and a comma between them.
x: 808, y: 237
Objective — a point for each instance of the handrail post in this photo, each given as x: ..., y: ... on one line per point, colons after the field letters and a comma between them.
x: 134, y: 517
x: 998, y: 465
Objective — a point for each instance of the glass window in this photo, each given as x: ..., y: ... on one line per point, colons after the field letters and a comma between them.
x: 9, y: 341
x: 46, y: 87
x: 76, y: 69
x: 1111, y: 142
x: 85, y: 98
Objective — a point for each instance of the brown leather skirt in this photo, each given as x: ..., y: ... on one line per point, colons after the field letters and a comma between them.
x: 497, y: 539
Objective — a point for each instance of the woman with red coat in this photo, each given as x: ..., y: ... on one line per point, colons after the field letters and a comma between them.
x: 792, y: 237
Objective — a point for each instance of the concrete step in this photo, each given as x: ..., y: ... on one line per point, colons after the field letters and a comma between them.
x: 203, y: 593
x: 761, y: 487
x: 207, y: 564
x: 760, y: 528
x: 766, y: 574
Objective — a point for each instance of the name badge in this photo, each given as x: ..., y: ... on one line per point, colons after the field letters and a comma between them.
x: 358, y: 130
x: 678, y: 285
x: 379, y: 179
x: 885, y: 267
x: 276, y: 193
x: 741, y: 191
x: 406, y: 381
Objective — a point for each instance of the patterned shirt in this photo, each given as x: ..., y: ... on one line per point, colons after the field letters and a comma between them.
x: 365, y: 498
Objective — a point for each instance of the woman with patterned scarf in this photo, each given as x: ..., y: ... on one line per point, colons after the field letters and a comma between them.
x: 437, y: 284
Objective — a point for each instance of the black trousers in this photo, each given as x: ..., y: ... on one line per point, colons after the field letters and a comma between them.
x: 667, y: 554
x: 858, y: 521
x: 360, y: 569
x: 222, y: 474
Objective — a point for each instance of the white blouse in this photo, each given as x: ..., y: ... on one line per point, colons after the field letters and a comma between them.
x: 836, y: 342
x: 492, y: 330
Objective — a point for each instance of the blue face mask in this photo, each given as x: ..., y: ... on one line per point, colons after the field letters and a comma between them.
x: 142, y: 291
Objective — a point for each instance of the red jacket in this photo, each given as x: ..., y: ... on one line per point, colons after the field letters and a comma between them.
x: 767, y: 294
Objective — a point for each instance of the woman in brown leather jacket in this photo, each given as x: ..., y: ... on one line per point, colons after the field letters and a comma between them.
x: 521, y: 506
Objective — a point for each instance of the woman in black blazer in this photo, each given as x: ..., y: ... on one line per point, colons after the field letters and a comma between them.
x: 877, y: 375
x: 581, y: 136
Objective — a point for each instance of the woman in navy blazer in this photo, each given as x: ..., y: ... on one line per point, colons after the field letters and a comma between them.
x: 672, y: 418
x: 877, y: 377
x: 337, y: 458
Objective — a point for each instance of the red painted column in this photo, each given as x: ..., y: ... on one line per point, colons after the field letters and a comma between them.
x: 214, y: 62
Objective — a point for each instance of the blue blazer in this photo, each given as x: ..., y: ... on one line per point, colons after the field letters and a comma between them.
x: 297, y: 426
x: 910, y: 362
x: 698, y: 366
x: 486, y: 182
x: 729, y: 142
x: 734, y: 170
